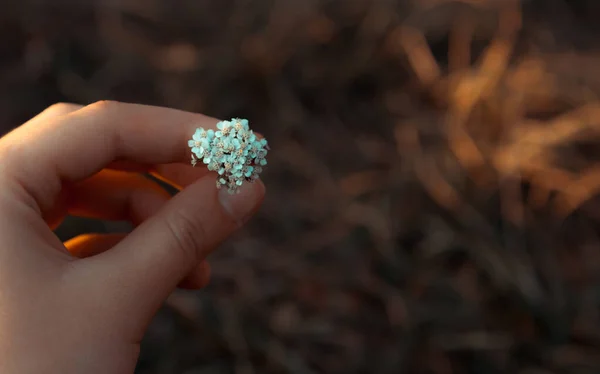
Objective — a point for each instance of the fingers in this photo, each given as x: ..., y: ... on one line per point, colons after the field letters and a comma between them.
x: 149, y: 263
x: 72, y: 147
x: 177, y: 174
x: 87, y: 245
x: 116, y: 195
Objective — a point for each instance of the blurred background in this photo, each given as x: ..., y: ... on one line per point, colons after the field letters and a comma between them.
x: 432, y: 185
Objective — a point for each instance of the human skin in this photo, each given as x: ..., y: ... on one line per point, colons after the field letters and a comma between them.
x: 83, y: 306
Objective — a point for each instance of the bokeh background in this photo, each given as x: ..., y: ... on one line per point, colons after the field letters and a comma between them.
x: 432, y: 186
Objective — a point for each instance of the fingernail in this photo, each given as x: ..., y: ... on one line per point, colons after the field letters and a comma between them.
x: 241, y: 205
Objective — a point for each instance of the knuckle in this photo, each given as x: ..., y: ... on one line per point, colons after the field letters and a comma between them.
x: 103, y: 106
x: 61, y: 108
x: 189, y: 236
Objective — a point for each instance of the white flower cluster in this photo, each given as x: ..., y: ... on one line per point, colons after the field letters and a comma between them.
x: 233, y: 151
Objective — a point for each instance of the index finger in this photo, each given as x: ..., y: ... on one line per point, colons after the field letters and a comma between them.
x: 73, y: 147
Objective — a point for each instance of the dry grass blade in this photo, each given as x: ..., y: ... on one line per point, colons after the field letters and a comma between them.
x: 578, y: 191
x: 459, y: 48
x: 533, y: 141
x: 436, y: 185
x: 419, y: 54
x: 357, y: 184
x: 472, y: 88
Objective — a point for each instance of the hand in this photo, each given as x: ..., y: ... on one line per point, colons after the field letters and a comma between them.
x: 83, y: 306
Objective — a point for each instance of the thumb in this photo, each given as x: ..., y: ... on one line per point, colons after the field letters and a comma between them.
x: 140, y: 272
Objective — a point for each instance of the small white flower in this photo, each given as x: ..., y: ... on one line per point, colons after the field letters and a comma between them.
x: 233, y: 151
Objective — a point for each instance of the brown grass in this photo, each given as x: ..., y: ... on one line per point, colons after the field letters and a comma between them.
x: 432, y: 188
